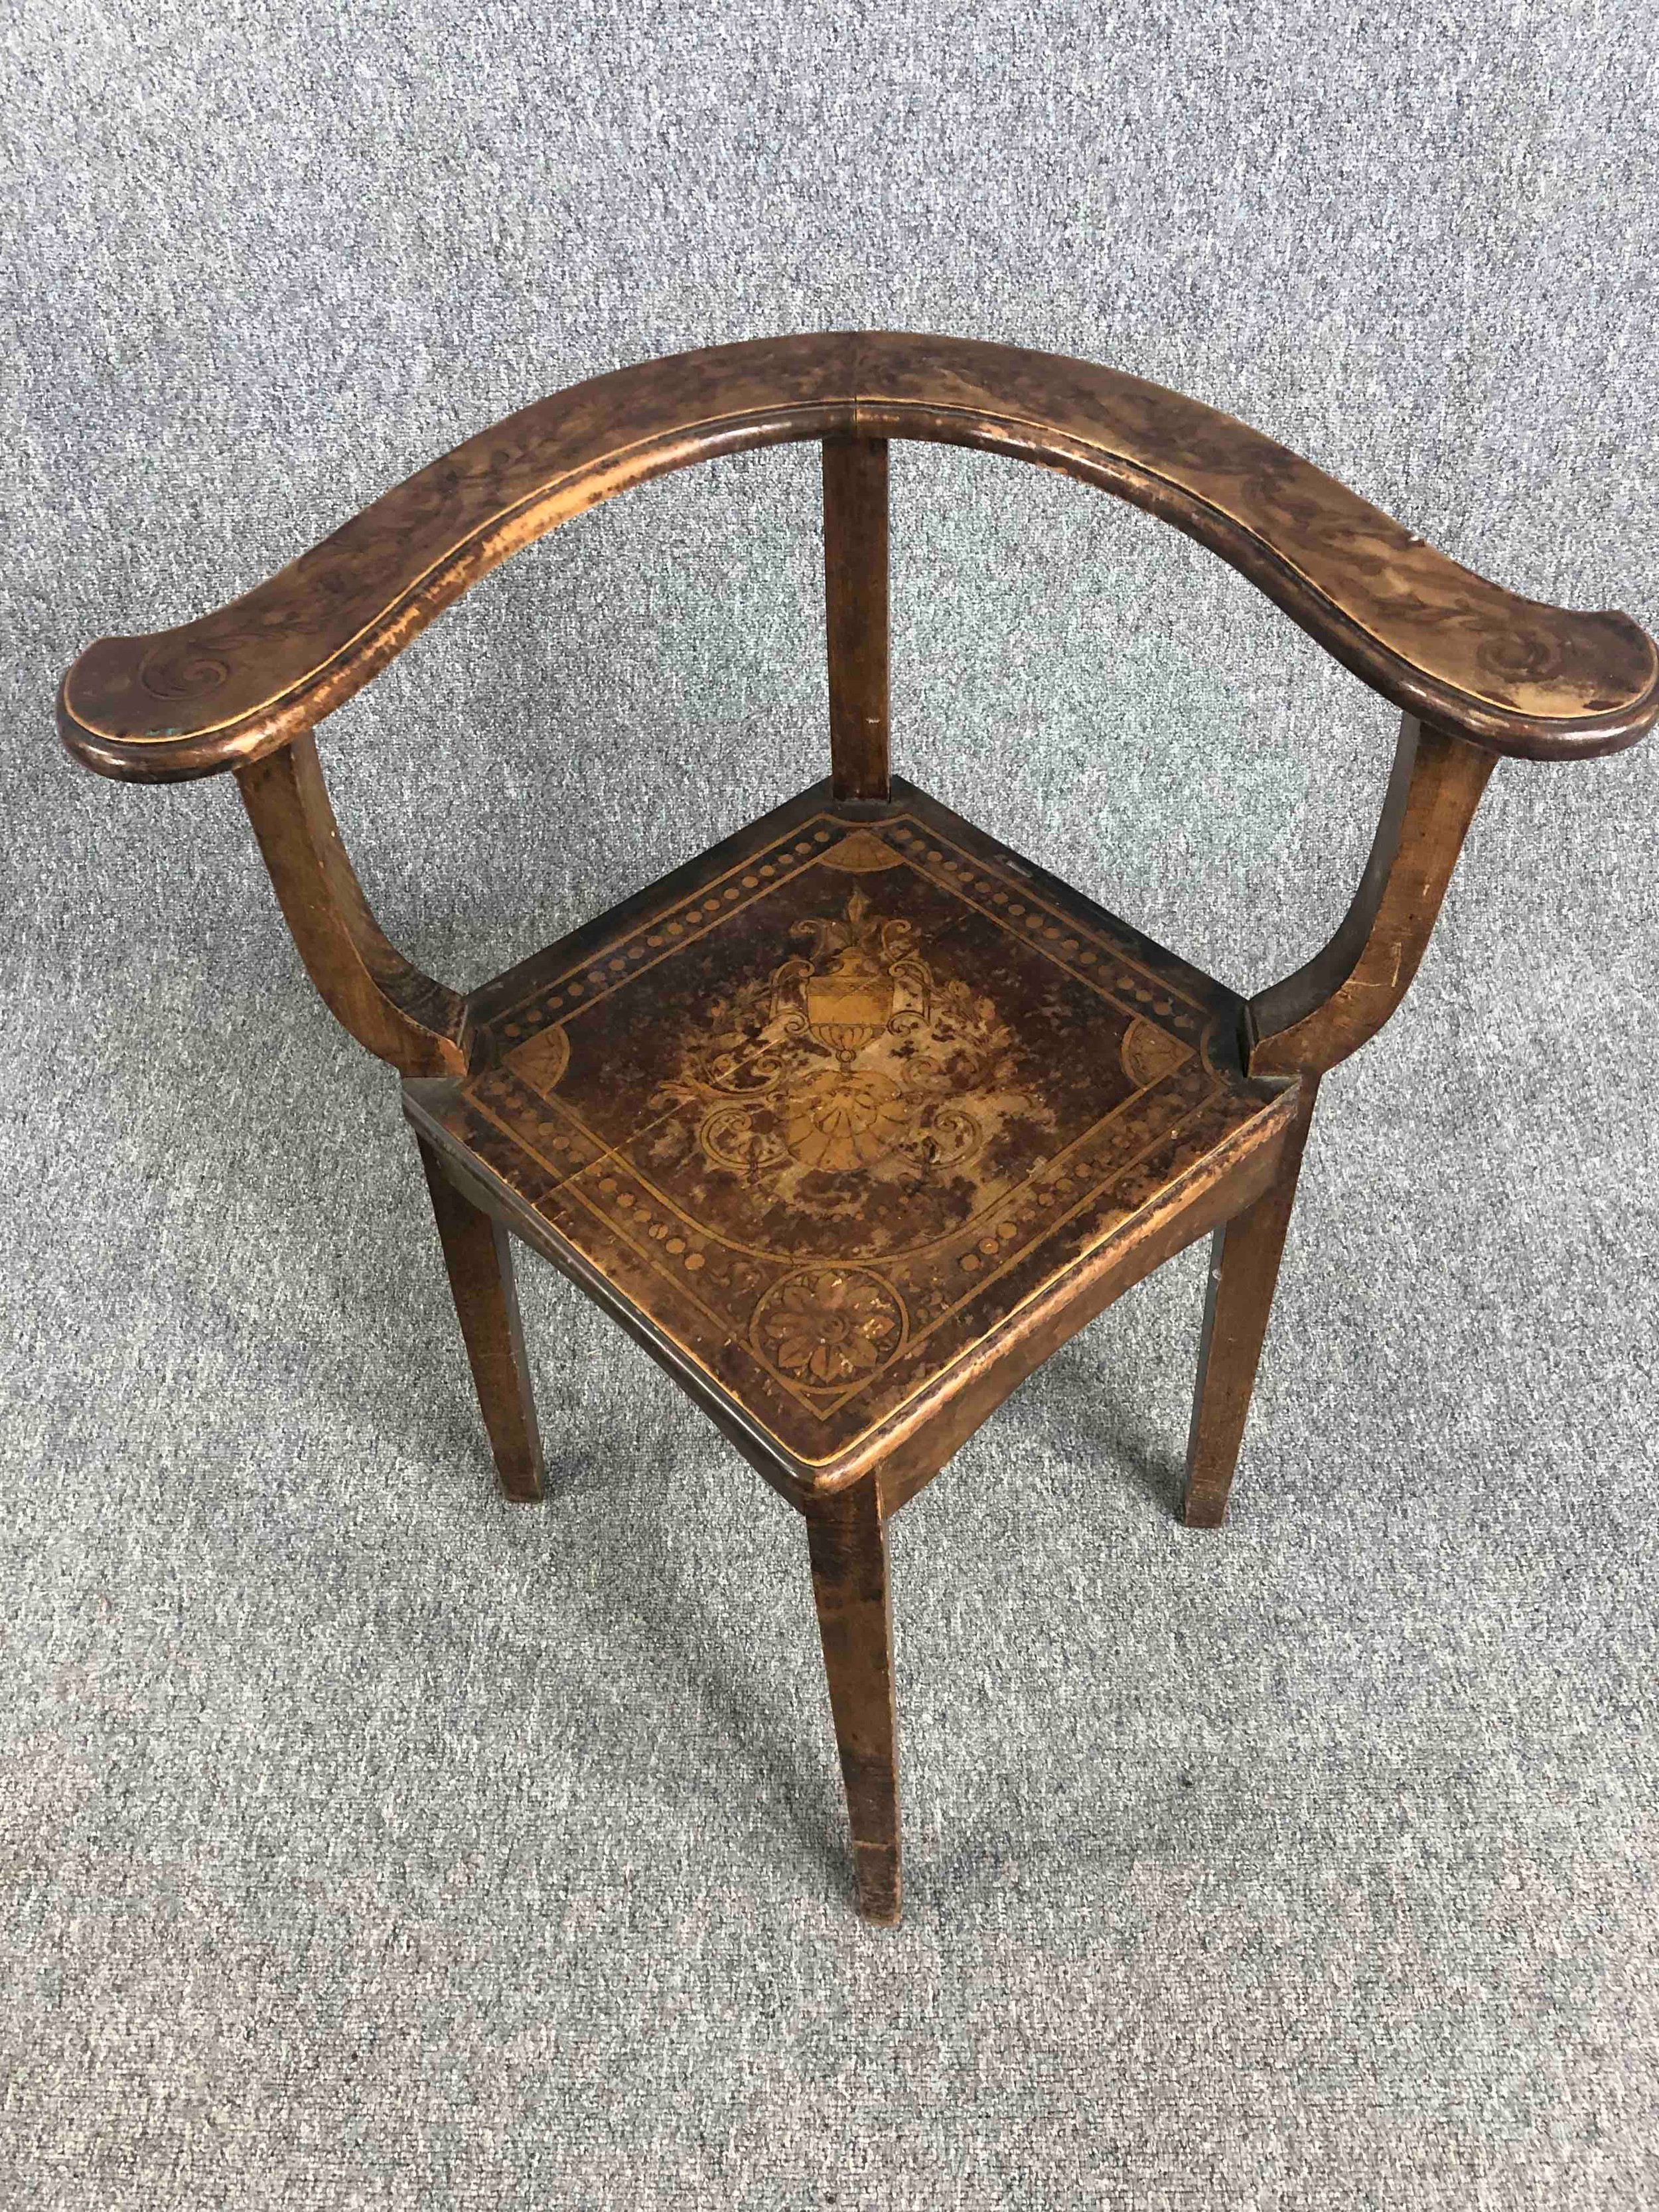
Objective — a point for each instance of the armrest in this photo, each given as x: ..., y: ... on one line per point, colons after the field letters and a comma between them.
x: 246, y: 680
x: 1510, y: 674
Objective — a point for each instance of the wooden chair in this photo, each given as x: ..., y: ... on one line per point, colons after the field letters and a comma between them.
x: 853, y: 1122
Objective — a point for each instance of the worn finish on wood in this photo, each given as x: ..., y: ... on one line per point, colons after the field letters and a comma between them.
x: 1517, y: 675
x: 1244, y: 1257
x: 1340, y: 998
x: 847, y: 1541
x: 418, y: 1025
x: 854, y: 1120
x: 479, y: 1254
x: 833, y: 1106
x: 855, y: 594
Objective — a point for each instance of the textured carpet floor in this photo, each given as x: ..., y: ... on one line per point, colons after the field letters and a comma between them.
x: 364, y: 1842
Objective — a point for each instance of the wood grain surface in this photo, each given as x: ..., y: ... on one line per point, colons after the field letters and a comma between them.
x: 1509, y: 672
x: 833, y: 1108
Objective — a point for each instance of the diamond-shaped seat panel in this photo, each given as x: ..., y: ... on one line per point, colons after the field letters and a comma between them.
x: 824, y: 1109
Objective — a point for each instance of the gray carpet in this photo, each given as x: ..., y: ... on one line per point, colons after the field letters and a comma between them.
x: 368, y: 1843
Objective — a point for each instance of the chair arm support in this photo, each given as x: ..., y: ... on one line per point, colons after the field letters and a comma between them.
x: 418, y: 1025
x: 1339, y: 999
x: 1510, y: 673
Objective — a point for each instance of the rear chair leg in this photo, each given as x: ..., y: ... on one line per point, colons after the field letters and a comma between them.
x: 848, y: 1540
x: 1244, y: 1256
x: 478, y: 1254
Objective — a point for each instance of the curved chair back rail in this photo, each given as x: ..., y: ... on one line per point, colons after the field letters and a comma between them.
x: 1510, y: 674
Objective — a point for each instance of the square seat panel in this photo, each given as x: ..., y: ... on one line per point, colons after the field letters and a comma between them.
x: 826, y: 1112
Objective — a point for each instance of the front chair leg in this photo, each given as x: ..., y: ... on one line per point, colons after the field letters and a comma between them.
x: 478, y: 1254
x: 848, y: 1539
x: 1244, y: 1256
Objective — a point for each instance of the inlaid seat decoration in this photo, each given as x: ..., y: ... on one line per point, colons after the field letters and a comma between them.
x: 831, y: 1115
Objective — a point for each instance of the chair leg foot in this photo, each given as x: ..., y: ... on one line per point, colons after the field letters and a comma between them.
x: 848, y: 1540
x: 1244, y: 1257
x: 478, y: 1254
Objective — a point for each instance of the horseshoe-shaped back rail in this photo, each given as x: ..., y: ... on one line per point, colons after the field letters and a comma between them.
x: 1512, y: 675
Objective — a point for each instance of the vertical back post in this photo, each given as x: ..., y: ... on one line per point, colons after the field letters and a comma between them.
x: 856, y: 611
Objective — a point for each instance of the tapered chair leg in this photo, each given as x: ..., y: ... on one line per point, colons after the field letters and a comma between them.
x: 1244, y: 1256
x: 848, y: 1544
x: 478, y: 1254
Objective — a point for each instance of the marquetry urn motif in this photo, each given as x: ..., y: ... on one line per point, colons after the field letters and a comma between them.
x: 848, y: 1054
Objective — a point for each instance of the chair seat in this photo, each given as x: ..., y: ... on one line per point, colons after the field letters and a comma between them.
x: 824, y: 1113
